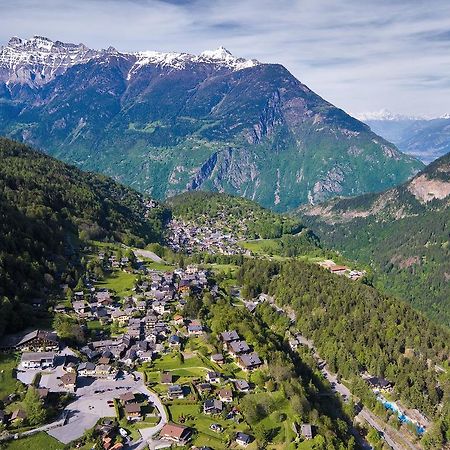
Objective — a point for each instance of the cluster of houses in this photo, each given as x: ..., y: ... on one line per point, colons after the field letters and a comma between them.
x: 142, y: 317
x: 37, y: 349
x: 145, y: 319
x: 111, y: 261
x: 191, y: 238
x: 133, y: 405
x: 149, y: 323
x: 245, y: 358
x: 145, y: 322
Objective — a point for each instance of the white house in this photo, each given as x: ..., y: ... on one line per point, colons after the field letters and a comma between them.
x: 37, y: 360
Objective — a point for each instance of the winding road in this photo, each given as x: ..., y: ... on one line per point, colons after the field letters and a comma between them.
x: 391, y: 436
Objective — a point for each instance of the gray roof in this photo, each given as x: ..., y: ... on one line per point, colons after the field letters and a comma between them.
x: 40, y: 334
x: 229, y: 336
x: 86, y: 366
x: 239, y: 347
x: 306, y: 430
x: 250, y: 360
x: 37, y: 356
x: 213, y: 404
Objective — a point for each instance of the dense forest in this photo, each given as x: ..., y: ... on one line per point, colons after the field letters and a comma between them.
x: 240, y: 215
x: 47, y: 209
x: 357, y: 329
x: 406, y: 240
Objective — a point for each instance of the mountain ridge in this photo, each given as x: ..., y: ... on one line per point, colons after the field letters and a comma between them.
x: 55, y: 57
x: 212, y: 122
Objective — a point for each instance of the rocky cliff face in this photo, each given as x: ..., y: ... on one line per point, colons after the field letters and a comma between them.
x: 169, y: 122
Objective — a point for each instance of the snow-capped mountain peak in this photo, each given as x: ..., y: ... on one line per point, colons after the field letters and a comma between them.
x: 177, y: 61
x: 224, y: 56
x: 38, y: 60
x: 221, y: 54
x: 385, y: 114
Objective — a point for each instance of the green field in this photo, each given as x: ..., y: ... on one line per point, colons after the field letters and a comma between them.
x: 260, y: 246
x: 120, y: 282
x: 152, y: 265
x: 8, y: 363
x: 279, y: 421
x: 172, y: 362
x: 95, y: 325
x: 37, y: 441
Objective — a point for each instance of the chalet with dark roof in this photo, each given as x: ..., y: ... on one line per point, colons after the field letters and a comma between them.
x: 212, y: 406
x: 249, y: 361
x: 237, y: 348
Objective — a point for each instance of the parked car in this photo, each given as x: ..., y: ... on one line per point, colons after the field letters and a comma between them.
x: 216, y: 427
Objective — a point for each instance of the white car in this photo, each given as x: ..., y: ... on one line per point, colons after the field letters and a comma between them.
x: 123, y: 432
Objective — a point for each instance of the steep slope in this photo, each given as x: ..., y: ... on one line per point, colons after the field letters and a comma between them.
x: 170, y: 122
x: 47, y: 210
x: 403, y: 232
x: 425, y: 139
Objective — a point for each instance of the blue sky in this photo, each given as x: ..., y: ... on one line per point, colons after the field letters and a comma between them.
x: 361, y: 55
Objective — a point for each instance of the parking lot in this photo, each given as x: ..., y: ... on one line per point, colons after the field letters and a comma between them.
x: 92, y: 404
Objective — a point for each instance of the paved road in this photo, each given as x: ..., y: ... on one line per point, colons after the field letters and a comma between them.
x: 150, y: 255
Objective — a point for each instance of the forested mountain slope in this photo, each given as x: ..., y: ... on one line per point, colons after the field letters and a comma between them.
x: 403, y: 232
x: 358, y: 329
x: 47, y: 209
x: 164, y: 123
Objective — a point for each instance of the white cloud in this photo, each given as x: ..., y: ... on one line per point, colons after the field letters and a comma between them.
x: 359, y: 54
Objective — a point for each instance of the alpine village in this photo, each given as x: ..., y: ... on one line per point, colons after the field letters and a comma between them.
x: 195, y: 253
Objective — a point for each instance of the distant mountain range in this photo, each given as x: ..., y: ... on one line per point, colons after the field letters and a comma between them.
x: 165, y: 123
x: 404, y: 233
x: 422, y: 137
